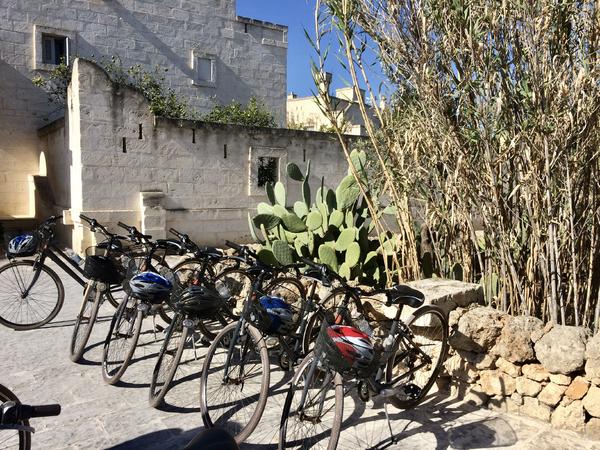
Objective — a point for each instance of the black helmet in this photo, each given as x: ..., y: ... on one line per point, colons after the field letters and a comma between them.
x: 199, y: 301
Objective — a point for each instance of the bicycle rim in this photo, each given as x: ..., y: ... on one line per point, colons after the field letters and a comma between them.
x: 39, y: 306
x: 236, y: 401
x: 85, y: 321
x: 121, y: 340
x: 315, y: 421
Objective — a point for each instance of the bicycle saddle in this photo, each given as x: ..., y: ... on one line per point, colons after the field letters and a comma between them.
x: 404, y: 295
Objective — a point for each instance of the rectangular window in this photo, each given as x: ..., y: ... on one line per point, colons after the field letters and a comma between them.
x: 54, y: 49
x: 204, y: 70
x: 267, y: 170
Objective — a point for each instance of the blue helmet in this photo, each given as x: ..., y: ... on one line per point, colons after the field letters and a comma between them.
x: 23, y: 245
x: 150, y: 286
x: 280, y: 313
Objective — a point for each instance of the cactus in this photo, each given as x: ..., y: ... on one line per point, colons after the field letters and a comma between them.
x: 281, y: 251
x: 333, y: 228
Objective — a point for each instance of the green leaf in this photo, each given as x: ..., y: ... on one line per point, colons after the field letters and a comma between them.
x: 293, y: 223
x: 267, y: 256
x: 336, y: 218
x: 252, y: 229
x: 279, y: 211
x: 280, y: 196
x: 282, y: 253
x: 345, y: 271
x: 347, y: 193
x: 269, y: 221
x: 264, y: 208
x: 314, y: 220
x: 327, y: 256
x: 300, y: 209
x: 294, y: 172
x: 345, y: 238
x: 353, y: 254
x: 270, y: 192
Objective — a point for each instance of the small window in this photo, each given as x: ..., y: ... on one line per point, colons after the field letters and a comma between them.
x: 54, y: 49
x: 267, y: 170
x: 204, y: 70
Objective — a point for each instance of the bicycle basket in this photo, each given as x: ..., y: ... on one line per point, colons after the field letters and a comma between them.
x: 102, y: 267
x: 273, y: 315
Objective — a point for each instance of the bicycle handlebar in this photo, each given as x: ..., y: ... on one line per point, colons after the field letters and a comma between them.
x: 13, y: 412
x: 243, y: 249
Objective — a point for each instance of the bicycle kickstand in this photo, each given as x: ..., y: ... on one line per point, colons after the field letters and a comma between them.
x: 387, y: 417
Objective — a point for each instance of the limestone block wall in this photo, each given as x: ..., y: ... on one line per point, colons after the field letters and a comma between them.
x: 520, y: 366
x: 205, y: 173
x: 249, y: 58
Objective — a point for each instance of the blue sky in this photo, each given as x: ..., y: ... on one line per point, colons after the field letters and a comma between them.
x: 297, y: 15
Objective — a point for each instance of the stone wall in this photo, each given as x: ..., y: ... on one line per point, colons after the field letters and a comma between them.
x: 249, y: 58
x: 199, y: 177
x: 518, y: 365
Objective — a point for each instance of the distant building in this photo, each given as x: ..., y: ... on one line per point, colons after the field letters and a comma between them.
x: 305, y: 113
x: 212, y: 56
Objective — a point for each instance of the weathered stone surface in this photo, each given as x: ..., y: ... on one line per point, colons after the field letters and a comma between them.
x: 455, y: 315
x: 528, y: 387
x: 592, y: 355
x: 533, y: 408
x: 537, y: 335
x: 508, y: 367
x: 562, y: 349
x: 535, y: 372
x: 514, y: 343
x: 496, y: 382
x: 517, y: 398
x: 561, y: 379
x: 551, y: 394
x: 592, y: 429
x: 577, y: 389
x: 480, y: 360
x: 449, y: 293
x: 478, y: 329
x: 591, y: 402
x: 503, y: 404
x: 461, y: 369
x: 571, y: 417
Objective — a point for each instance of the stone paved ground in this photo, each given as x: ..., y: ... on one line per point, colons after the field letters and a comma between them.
x: 36, y: 366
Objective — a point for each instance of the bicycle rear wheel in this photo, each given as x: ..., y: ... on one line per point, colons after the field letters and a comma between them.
x: 168, y: 360
x: 11, y: 439
x: 420, y: 355
x: 235, y: 400
x: 84, y: 323
x: 315, y: 422
x: 121, y: 340
x: 41, y: 304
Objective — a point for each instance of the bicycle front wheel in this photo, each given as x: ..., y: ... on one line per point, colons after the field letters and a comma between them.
x: 313, y: 409
x: 168, y: 360
x: 419, y: 356
x: 85, y: 321
x: 235, y: 399
x: 121, y: 340
x: 11, y: 439
x: 23, y: 309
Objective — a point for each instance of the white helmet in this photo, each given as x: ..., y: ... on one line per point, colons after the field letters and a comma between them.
x: 150, y: 286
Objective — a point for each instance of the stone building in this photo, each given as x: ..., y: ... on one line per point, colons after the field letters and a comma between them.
x: 213, y: 56
x: 305, y: 113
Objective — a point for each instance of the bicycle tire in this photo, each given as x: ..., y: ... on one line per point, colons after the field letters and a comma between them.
x: 444, y: 329
x: 77, y: 346
x: 115, y: 376
x: 188, y: 262
x: 286, y: 414
x: 156, y: 397
x: 111, y: 298
x: 244, y: 433
x: 6, y: 395
x: 57, y: 304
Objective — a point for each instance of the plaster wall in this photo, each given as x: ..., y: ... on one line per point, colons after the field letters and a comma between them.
x: 249, y: 59
x: 202, y: 175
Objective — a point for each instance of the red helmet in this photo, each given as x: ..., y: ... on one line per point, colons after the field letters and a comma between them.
x: 353, y: 344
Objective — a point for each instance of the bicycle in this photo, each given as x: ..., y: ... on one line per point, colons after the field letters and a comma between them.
x: 31, y: 293
x: 235, y: 376
x: 126, y: 323
x: 15, y: 431
x: 403, y: 368
x: 103, y: 267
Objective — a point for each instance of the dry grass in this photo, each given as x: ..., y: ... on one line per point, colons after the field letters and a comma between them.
x: 492, y: 126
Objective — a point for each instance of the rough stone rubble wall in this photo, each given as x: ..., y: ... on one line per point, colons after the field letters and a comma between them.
x: 202, y: 175
x: 518, y: 365
x: 250, y: 59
